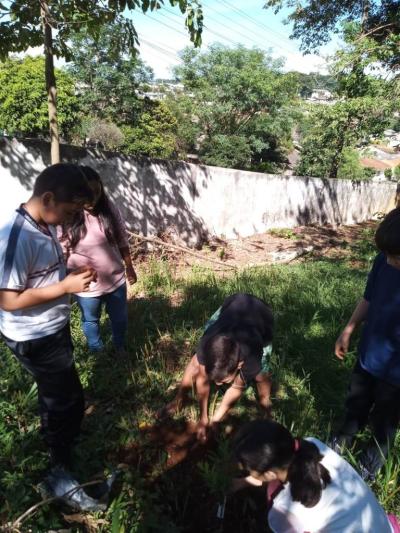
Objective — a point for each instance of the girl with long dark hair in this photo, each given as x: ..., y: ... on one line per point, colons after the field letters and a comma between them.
x: 97, y: 238
x: 310, y: 487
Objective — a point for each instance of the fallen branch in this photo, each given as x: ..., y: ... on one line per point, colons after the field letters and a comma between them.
x: 158, y: 241
x: 13, y: 527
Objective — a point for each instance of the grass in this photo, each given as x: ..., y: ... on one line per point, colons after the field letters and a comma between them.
x: 311, y: 302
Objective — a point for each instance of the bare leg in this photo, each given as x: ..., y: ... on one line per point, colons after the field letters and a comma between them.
x: 263, y: 382
x: 186, y: 385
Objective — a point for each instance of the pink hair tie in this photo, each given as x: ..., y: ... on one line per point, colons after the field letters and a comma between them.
x: 296, y: 444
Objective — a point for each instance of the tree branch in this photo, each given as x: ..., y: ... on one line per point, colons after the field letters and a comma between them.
x: 180, y: 249
x: 13, y: 527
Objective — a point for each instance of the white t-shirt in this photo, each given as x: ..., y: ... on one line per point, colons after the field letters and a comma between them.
x: 347, y: 504
x: 30, y: 257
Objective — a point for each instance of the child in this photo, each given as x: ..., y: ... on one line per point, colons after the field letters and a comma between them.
x: 315, y: 489
x: 230, y: 352
x: 34, y: 301
x: 374, y: 390
x: 97, y: 237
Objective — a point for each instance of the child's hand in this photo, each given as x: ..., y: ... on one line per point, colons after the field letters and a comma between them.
x: 202, y: 430
x: 342, y: 344
x: 79, y: 280
x: 131, y: 275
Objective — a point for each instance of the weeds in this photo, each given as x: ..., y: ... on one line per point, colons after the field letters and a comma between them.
x: 311, y: 302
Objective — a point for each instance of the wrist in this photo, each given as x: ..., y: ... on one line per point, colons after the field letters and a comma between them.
x: 64, y: 286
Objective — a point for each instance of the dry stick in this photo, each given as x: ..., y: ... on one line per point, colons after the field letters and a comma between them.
x: 180, y: 249
x: 14, y: 525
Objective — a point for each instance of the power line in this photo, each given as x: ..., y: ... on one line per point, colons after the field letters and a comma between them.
x: 257, y: 44
x: 163, y: 23
x: 258, y: 35
x: 161, y: 49
x: 251, y: 19
x: 204, y: 26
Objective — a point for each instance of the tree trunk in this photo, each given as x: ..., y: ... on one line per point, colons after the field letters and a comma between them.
x: 365, y: 14
x: 50, y: 83
x: 333, y: 171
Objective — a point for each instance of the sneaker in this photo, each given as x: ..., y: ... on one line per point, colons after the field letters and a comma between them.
x: 339, y: 442
x: 336, y: 444
x: 367, y: 476
x: 60, y: 484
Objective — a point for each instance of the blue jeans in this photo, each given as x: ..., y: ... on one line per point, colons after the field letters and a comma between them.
x: 117, y: 310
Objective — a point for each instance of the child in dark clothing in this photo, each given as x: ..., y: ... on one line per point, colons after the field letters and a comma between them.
x: 34, y: 301
x: 232, y: 351
x: 374, y: 390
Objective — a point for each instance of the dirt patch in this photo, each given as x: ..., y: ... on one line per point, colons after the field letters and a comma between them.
x: 275, y: 246
x: 196, y: 510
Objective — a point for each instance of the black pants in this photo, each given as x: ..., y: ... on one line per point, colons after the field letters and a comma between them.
x: 60, y: 394
x: 370, y: 399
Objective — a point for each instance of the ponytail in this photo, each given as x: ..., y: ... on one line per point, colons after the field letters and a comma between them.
x: 306, y: 475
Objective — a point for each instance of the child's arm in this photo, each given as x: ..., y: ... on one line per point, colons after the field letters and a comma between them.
x: 13, y: 300
x: 231, y: 396
x: 203, y: 393
x: 358, y: 316
x: 130, y: 271
x: 123, y: 243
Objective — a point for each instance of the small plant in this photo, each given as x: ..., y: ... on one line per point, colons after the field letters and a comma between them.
x: 217, y: 471
x: 388, y: 173
x: 284, y: 233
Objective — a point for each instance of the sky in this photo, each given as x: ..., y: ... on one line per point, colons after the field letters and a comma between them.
x: 163, y: 34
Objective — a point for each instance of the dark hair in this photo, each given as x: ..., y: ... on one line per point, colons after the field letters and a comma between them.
x: 221, y: 356
x: 74, y: 231
x: 66, y: 181
x: 387, y: 236
x: 265, y: 445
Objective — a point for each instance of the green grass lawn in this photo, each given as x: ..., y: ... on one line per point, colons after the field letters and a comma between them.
x: 311, y: 302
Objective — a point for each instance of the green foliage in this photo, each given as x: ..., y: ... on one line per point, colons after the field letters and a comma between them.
x: 226, y: 151
x: 155, y: 133
x: 314, y: 24
x: 23, y: 100
x: 365, y: 108
x: 397, y: 172
x: 330, y: 130
x: 21, y: 26
x: 314, y: 80
x: 217, y: 471
x: 240, y: 105
x: 107, y: 78
x: 388, y: 173
x: 349, y: 166
x: 311, y: 303
x: 188, y: 127
x: 105, y: 133
x: 283, y: 233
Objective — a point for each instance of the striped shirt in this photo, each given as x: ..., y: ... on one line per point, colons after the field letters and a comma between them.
x: 31, y: 257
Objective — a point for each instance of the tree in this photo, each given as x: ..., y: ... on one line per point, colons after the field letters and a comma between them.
x: 155, y: 133
x: 314, y: 22
x: 332, y: 129
x: 365, y: 107
x: 238, y: 96
x: 25, y: 24
x: 107, y: 79
x: 23, y: 106
x: 312, y: 81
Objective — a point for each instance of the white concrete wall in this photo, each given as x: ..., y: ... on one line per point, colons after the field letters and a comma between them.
x: 197, y: 199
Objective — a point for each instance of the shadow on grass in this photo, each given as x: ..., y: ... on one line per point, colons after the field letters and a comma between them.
x: 311, y: 302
